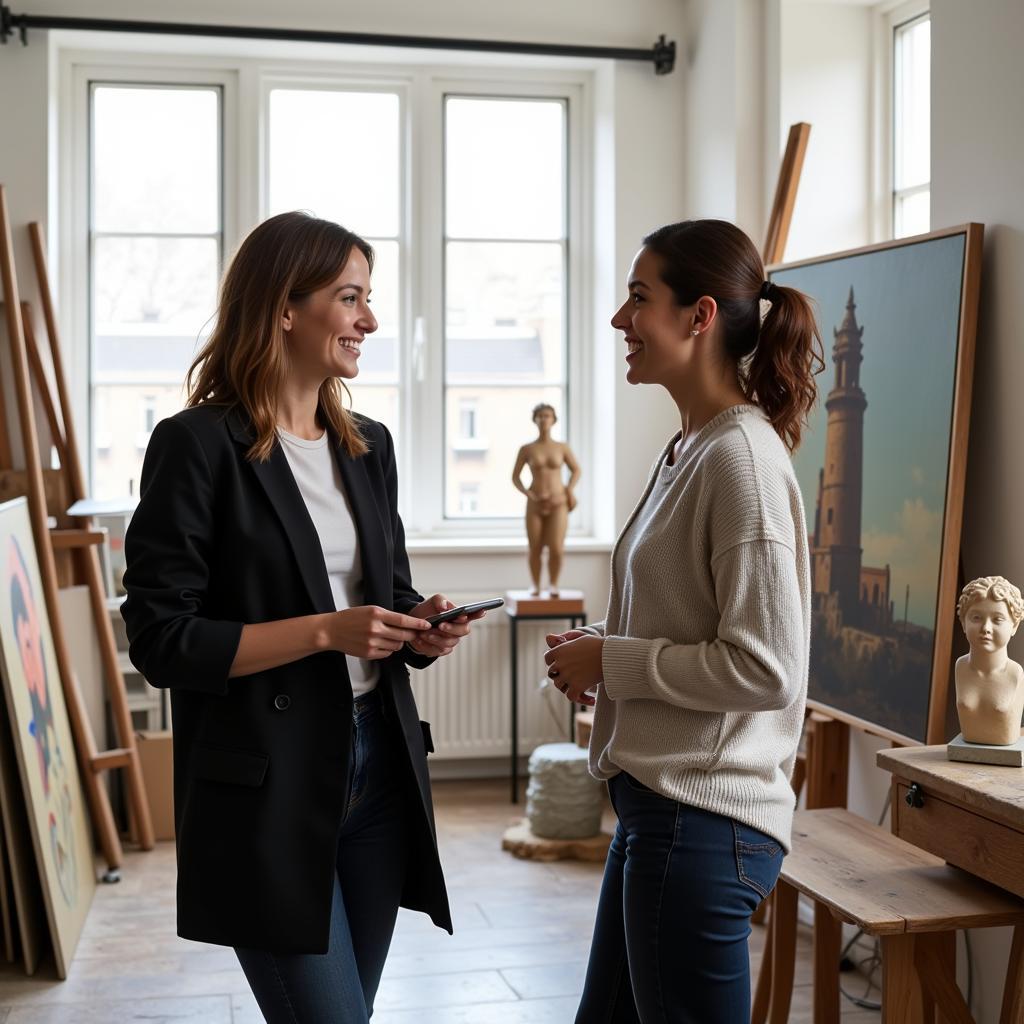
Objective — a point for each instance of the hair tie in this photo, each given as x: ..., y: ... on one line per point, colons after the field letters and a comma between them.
x: 769, y: 291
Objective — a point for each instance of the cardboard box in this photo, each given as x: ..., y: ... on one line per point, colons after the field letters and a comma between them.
x: 157, y: 762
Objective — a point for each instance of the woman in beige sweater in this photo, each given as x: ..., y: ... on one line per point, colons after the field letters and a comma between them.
x: 700, y: 666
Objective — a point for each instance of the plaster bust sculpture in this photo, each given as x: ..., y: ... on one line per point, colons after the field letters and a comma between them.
x: 549, y: 499
x: 989, y: 686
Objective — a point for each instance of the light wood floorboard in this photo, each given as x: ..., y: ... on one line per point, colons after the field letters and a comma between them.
x: 518, y: 956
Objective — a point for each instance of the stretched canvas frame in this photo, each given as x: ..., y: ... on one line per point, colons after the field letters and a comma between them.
x: 882, y: 469
x: 41, y: 733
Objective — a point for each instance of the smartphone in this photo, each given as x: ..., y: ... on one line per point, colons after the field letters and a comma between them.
x: 465, y: 609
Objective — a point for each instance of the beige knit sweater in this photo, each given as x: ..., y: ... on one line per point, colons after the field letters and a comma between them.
x: 707, y: 634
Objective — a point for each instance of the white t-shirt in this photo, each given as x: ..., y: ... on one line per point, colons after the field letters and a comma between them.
x: 316, y: 472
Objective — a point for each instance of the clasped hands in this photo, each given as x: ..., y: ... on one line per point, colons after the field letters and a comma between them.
x: 371, y: 632
x: 574, y: 664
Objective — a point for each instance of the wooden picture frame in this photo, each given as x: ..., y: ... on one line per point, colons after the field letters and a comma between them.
x: 57, y: 812
x: 882, y: 469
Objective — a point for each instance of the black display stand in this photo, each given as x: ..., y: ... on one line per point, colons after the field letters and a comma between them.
x: 522, y: 606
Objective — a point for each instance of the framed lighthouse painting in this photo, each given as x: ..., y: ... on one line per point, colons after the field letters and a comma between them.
x: 882, y: 470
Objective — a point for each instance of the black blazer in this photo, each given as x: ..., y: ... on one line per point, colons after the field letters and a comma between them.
x: 261, y: 762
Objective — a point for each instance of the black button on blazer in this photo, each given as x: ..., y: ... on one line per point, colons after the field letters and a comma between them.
x: 218, y: 541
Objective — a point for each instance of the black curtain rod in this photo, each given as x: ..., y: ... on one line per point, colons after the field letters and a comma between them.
x: 662, y: 54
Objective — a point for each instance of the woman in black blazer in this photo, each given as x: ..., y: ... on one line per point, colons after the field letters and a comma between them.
x: 303, y: 812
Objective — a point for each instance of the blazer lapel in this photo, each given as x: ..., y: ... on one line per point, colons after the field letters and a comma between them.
x: 374, y: 552
x: 276, y: 478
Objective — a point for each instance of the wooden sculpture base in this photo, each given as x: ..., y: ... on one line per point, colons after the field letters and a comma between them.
x: 525, y: 602
x: 522, y: 843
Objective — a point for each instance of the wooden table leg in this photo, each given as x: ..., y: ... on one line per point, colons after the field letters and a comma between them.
x: 828, y: 935
x: 902, y: 995
x: 1013, y: 988
x: 783, y: 963
x: 935, y: 960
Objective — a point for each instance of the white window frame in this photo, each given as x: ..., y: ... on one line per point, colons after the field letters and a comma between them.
x: 888, y: 17
x: 245, y: 84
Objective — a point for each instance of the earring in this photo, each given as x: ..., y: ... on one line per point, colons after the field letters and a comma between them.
x: 694, y: 333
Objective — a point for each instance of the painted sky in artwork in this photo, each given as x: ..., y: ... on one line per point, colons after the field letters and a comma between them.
x: 908, y: 302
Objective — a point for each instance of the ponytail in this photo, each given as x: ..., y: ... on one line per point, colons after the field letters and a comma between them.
x: 779, y: 375
x: 776, y: 360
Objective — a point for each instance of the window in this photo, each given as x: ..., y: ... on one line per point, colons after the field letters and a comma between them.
x: 465, y: 189
x: 911, y: 139
x: 155, y: 240
x: 468, y: 412
x: 469, y: 498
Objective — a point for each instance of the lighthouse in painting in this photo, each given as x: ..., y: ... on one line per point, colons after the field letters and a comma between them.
x: 859, y: 594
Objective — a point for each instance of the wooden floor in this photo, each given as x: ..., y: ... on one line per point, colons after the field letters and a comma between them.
x: 522, y: 931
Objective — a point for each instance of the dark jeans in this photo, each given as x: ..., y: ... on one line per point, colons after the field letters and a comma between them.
x: 670, y: 941
x: 339, y: 987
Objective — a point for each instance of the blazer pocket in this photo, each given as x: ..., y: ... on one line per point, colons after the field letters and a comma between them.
x: 428, y: 742
x: 238, y: 767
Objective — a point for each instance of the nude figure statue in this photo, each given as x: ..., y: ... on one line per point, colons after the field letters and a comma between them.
x: 549, y: 499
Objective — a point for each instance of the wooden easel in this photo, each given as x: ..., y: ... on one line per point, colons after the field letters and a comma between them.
x: 785, y: 193
x: 78, y: 538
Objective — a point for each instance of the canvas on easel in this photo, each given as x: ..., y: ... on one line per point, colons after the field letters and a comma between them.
x: 58, y: 818
x: 25, y: 904
x: 882, y: 469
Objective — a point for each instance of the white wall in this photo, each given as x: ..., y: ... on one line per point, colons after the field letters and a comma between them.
x: 726, y: 106
x: 826, y: 80
x: 977, y: 156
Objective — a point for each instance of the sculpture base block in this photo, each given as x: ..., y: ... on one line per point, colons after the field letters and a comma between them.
x: 522, y: 843
x: 525, y: 602
x: 1011, y: 755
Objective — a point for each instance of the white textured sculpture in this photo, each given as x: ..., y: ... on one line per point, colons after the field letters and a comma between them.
x: 563, y: 800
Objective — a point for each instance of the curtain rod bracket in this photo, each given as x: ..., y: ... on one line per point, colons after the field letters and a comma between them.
x: 662, y: 54
x: 8, y: 23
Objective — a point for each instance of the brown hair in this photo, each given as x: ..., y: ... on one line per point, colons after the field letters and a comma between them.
x: 776, y: 359
x: 244, y: 362
x: 543, y: 407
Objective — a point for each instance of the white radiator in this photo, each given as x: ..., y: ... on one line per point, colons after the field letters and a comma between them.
x: 466, y: 695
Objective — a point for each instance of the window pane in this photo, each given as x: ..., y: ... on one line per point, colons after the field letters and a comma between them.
x: 912, y: 214
x: 152, y: 300
x: 504, y: 317
x: 156, y: 159
x: 171, y: 281
x: 336, y: 155
x: 478, y: 469
x: 912, y: 104
x: 504, y: 168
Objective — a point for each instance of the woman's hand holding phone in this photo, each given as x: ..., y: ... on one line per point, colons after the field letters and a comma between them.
x: 371, y: 632
x: 443, y: 637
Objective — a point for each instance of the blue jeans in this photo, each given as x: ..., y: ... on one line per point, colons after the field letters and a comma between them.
x: 339, y: 986
x: 670, y: 941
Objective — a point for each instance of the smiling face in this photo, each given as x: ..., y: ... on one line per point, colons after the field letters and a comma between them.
x: 659, y: 345
x: 988, y: 625
x: 324, y: 331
